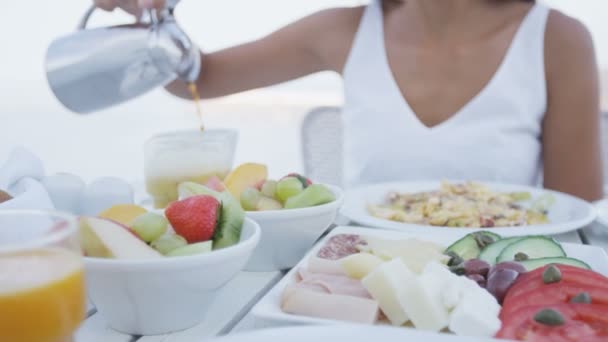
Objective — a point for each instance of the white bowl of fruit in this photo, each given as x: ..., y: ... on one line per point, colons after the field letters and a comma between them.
x: 292, y: 212
x: 152, y: 273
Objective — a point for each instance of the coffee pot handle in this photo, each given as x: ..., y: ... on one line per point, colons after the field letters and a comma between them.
x: 85, y: 19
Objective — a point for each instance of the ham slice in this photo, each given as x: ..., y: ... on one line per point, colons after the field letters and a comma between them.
x: 304, y: 301
x: 333, y: 284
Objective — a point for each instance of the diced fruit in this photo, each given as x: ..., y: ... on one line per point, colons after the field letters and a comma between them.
x: 358, y: 266
x: 123, y: 213
x: 5, y: 196
x: 288, y: 187
x: 314, y: 195
x: 228, y: 232
x: 471, y: 245
x: 102, y: 238
x: 150, y: 226
x: 250, y: 199
x: 533, y: 247
x: 193, y: 249
x: 167, y: 243
x: 215, y: 183
x: 231, y: 222
x: 305, y: 181
x: 385, y: 284
x: 245, y: 176
x: 267, y: 203
x: 269, y: 188
x: 195, y: 218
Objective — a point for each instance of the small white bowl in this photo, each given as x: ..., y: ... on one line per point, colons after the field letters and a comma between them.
x: 152, y: 297
x: 289, y: 233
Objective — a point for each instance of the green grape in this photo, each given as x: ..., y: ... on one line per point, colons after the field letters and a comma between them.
x: 288, y: 187
x: 167, y: 243
x: 250, y: 198
x: 269, y: 189
x: 314, y: 195
x: 193, y: 249
x: 267, y: 203
x: 150, y: 226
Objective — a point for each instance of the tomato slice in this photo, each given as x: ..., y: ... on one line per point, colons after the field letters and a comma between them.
x: 555, y: 293
x: 582, y: 322
x: 532, y: 280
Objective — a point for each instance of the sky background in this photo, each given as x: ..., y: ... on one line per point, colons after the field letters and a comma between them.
x: 110, y: 142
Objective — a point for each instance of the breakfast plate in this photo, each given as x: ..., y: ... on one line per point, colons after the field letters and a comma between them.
x: 270, y: 309
x: 602, y: 212
x: 351, y: 333
x: 564, y: 213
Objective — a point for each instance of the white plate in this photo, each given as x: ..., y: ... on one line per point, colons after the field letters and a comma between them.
x: 602, y: 212
x: 268, y: 308
x: 566, y: 214
x: 350, y: 333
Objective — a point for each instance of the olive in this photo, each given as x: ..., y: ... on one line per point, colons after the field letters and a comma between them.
x: 478, y: 278
x: 499, y: 281
x: 476, y: 266
x: 511, y: 265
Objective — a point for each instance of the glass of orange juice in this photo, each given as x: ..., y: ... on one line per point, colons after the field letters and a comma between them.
x: 42, y: 289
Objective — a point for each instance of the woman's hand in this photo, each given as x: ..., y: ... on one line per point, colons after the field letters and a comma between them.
x: 134, y: 7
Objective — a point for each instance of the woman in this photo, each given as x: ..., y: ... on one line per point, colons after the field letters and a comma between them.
x: 502, y: 90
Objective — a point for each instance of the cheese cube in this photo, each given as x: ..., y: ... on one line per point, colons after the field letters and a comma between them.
x: 475, y: 316
x: 423, y: 303
x: 385, y: 285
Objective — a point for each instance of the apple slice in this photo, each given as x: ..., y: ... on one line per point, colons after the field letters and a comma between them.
x: 101, y: 238
x: 245, y: 176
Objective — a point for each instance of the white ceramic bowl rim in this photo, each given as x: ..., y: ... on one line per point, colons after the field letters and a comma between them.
x: 300, y: 212
x: 214, y: 257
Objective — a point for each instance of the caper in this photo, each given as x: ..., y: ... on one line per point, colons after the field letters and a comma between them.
x: 552, y: 274
x: 549, y: 317
x: 582, y: 297
x: 455, y: 259
x: 483, y: 240
x: 521, y: 256
x: 458, y: 269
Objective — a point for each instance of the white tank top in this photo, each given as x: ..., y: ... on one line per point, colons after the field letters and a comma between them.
x: 494, y: 137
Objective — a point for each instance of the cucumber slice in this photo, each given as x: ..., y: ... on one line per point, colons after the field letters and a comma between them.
x: 534, y: 247
x: 467, y: 247
x: 491, y: 252
x: 532, y: 264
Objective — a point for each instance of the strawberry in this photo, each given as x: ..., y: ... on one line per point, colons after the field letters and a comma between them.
x: 305, y: 181
x: 195, y: 218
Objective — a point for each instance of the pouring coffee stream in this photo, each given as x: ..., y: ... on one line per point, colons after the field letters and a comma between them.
x: 94, y: 69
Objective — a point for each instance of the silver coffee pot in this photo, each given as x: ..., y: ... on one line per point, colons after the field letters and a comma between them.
x: 93, y: 69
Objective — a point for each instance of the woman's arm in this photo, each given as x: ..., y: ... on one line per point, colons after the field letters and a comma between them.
x: 318, y: 42
x: 571, y: 128
x: 315, y: 43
